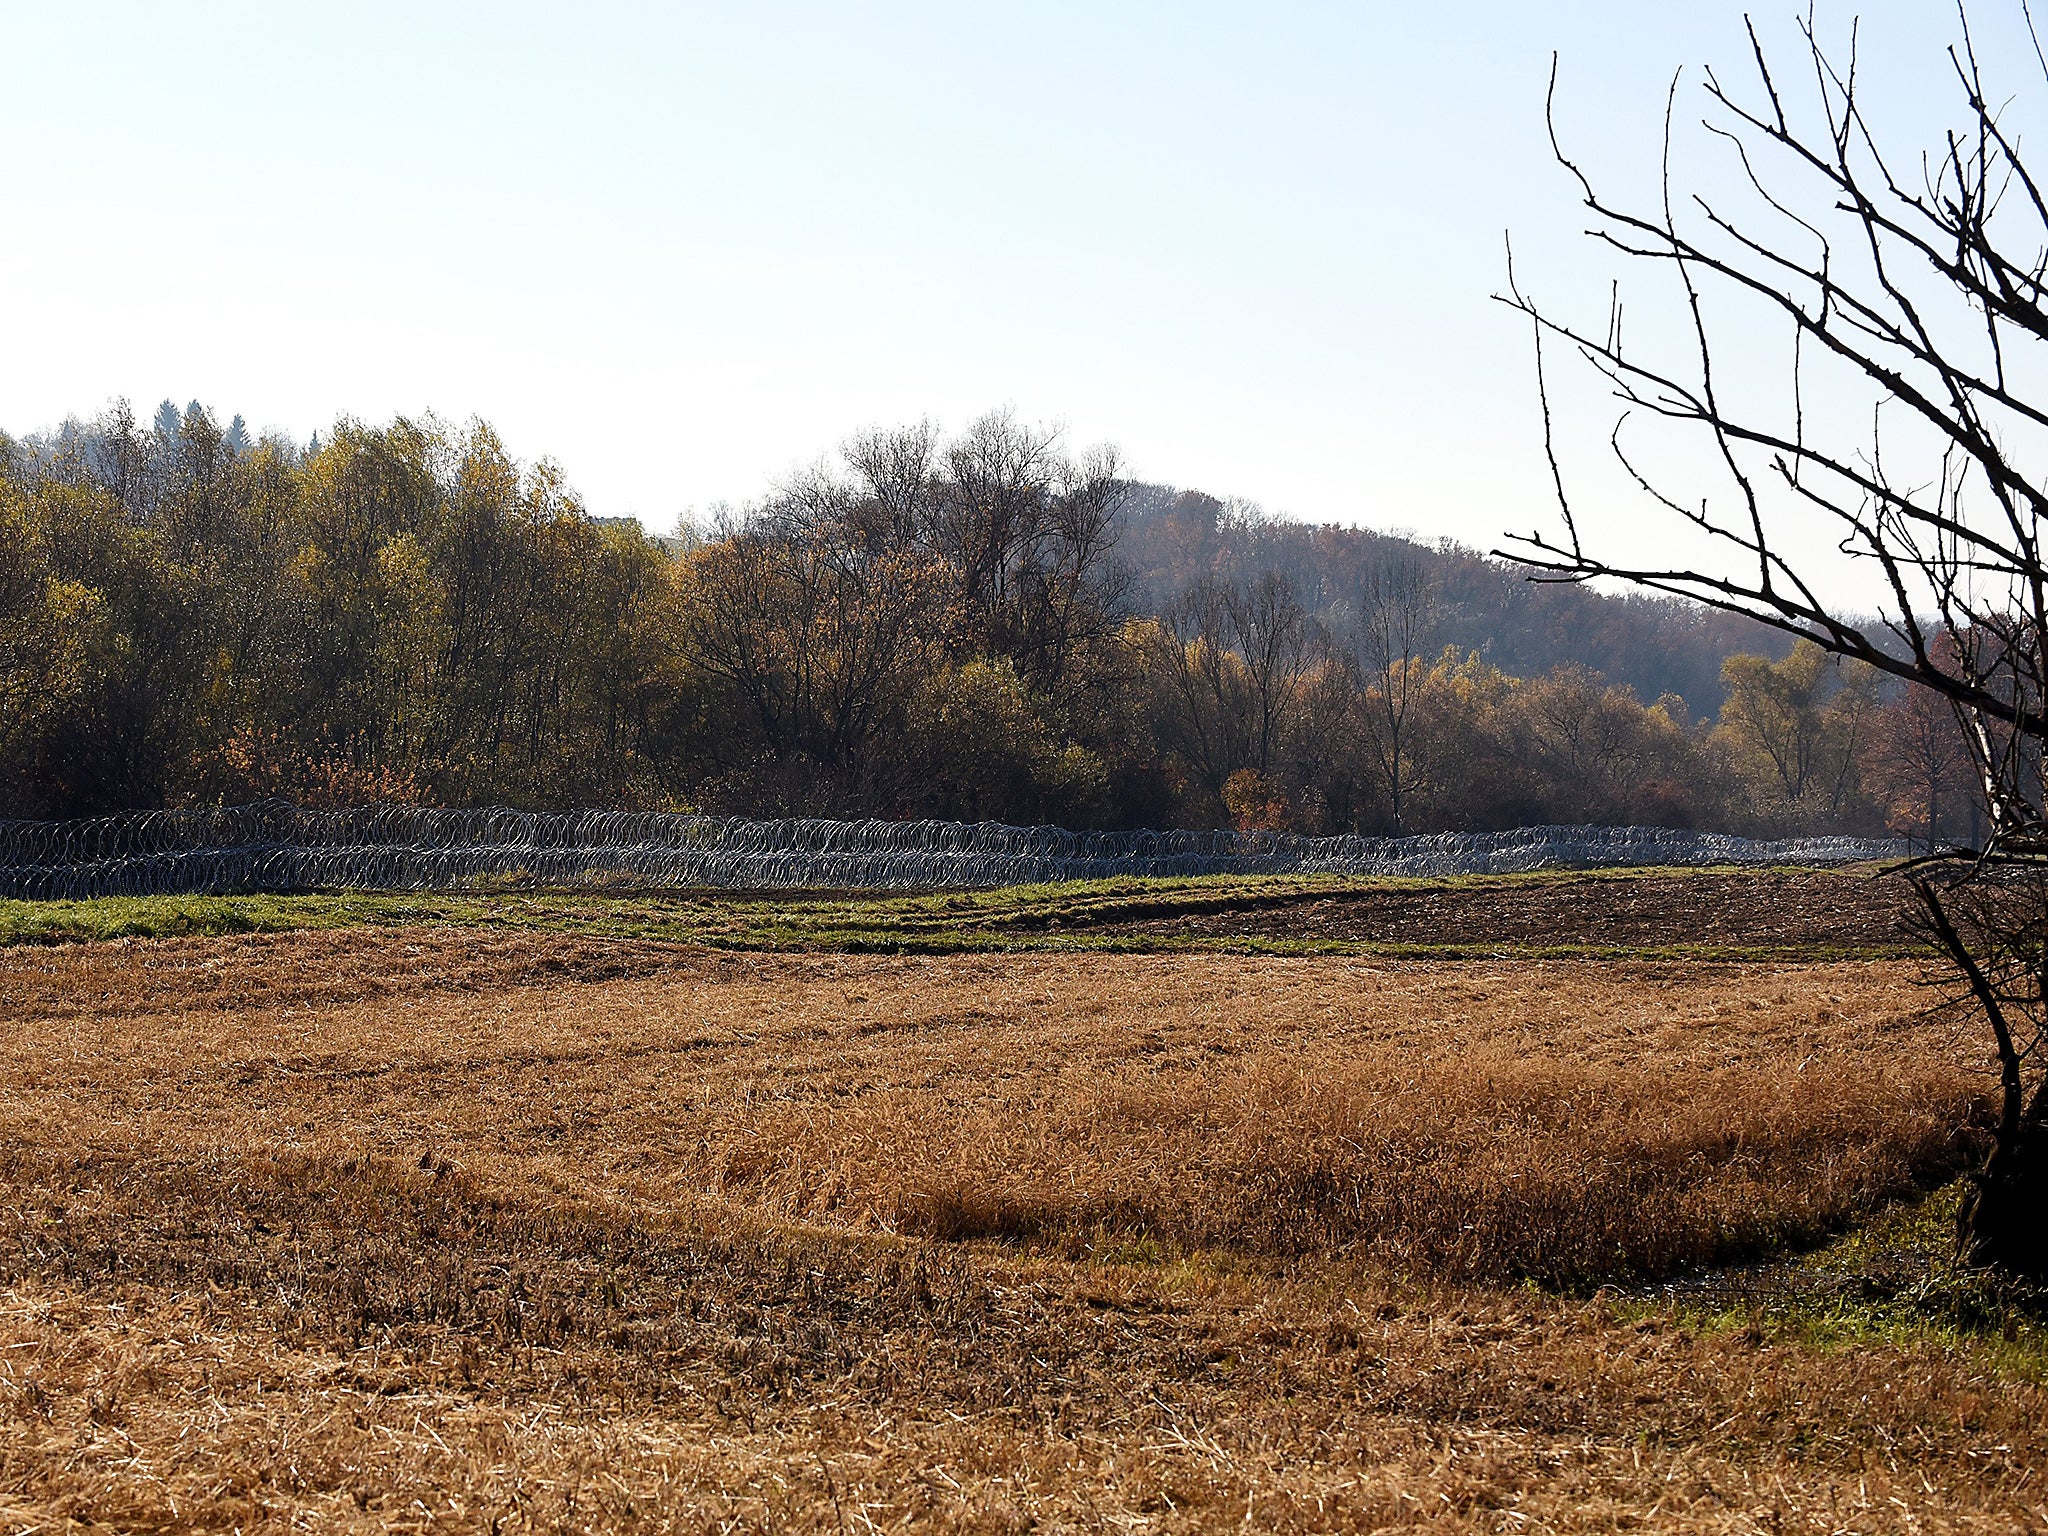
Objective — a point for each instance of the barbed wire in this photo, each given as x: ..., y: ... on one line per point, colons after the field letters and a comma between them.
x: 277, y: 847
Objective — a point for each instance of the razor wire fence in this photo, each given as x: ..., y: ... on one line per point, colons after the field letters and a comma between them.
x: 277, y: 847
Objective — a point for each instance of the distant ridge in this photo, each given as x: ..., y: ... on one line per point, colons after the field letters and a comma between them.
x: 1655, y: 646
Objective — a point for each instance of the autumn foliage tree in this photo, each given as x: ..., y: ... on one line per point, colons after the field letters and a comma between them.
x: 401, y: 613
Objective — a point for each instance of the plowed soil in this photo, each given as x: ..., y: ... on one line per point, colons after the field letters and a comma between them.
x: 1792, y: 909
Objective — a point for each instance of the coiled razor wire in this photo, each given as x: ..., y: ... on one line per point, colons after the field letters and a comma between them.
x: 276, y: 847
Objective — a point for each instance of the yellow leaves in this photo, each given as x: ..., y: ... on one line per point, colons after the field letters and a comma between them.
x: 1468, y: 678
x: 1139, y: 635
x: 43, y: 651
x: 69, y: 602
x: 989, y: 750
x: 46, y: 623
x: 1255, y: 803
x: 1793, y: 726
x: 220, y: 680
x: 1667, y: 714
x: 403, y: 561
x: 309, y: 567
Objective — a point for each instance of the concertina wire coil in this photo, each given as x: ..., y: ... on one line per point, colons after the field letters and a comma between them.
x: 274, y: 846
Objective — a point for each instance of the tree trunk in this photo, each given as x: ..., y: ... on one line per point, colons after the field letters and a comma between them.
x: 1991, y: 931
x: 2005, y: 1215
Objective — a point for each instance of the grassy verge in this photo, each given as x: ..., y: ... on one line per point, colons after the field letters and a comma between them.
x: 1080, y: 916
x: 1893, y: 1281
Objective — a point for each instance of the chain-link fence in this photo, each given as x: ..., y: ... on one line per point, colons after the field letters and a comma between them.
x: 275, y: 846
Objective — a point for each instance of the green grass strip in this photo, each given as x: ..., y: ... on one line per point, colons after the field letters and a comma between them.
x: 1054, y: 918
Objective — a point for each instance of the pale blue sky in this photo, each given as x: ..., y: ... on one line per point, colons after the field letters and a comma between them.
x: 684, y: 248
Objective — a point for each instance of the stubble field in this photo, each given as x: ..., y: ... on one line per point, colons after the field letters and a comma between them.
x: 416, y: 1226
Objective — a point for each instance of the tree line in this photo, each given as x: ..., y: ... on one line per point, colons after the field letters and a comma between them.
x: 924, y: 626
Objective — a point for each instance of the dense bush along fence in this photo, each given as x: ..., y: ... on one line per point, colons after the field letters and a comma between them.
x: 274, y: 846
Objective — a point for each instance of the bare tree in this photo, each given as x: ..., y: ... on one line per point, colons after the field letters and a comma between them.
x: 1203, y: 683
x: 1233, y: 665
x: 1914, y: 288
x: 1919, y: 765
x: 1025, y: 533
x: 816, y: 639
x: 1274, y: 639
x: 1398, y: 606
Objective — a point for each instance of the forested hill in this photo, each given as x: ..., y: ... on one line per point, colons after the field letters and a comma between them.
x: 1654, y: 646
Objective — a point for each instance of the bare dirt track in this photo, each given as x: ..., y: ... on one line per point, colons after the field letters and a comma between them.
x: 410, y: 1228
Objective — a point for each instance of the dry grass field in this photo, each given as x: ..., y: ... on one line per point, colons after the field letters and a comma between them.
x: 411, y: 1227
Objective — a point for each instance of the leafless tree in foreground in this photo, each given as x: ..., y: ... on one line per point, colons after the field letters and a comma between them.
x: 1915, y: 291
